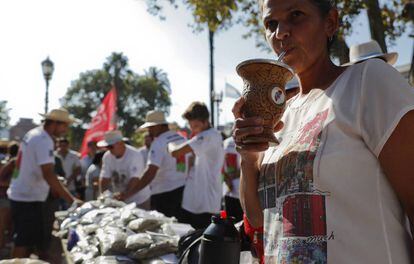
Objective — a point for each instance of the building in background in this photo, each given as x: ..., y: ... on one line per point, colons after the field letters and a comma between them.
x: 18, y: 131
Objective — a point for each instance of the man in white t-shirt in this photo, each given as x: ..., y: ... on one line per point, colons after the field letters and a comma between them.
x: 34, y: 175
x: 165, y: 174
x: 122, y: 167
x: 71, y: 163
x: 231, y: 174
x: 203, y: 188
x: 147, y: 145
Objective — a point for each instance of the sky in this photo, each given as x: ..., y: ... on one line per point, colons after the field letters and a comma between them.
x: 78, y: 35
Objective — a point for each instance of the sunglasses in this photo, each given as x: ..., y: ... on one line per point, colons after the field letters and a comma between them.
x: 110, y: 147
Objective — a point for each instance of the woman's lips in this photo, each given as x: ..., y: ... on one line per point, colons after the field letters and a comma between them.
x: 289, y: 51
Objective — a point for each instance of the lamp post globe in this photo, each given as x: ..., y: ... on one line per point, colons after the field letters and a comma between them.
x: 47, y: 68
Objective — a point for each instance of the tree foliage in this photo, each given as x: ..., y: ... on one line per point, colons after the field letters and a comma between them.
x: 216, y: 14
x: 223, y: 13
x: 4, y: 115
x: 137, y: 94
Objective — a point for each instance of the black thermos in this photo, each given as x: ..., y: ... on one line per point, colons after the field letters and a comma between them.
x: 220, y: 243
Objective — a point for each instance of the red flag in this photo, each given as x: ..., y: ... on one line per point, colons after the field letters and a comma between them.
x: 104, y: 120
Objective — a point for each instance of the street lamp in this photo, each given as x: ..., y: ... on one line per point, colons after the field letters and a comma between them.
x: 47, y: 68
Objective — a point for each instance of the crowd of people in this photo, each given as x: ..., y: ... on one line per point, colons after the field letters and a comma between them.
x: 188, y: 177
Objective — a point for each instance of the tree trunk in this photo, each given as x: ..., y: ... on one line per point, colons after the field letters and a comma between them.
x: 408, y: 13
x: 375, y: 23
x: 211, y: 42
x: 340, y: 50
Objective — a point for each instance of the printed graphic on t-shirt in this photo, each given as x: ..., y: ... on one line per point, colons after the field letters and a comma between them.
x: 180, y: 163
x: 119, y: 182
x: 295, y: 211
x: 231, y: 162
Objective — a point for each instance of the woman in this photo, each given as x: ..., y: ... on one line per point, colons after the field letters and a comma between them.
x: 340, y: 183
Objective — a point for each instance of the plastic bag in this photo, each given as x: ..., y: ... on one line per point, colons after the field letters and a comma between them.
x: 163, y: 244
x: 138, y: 241
x: 143, y: 224
x: 154, y: 250
x: 82, y: 254
x: 112, y: 241
x: 111, y: 260
x: 127, y: 213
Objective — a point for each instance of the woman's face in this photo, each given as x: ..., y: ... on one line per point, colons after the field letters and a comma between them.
x: 298, y: 27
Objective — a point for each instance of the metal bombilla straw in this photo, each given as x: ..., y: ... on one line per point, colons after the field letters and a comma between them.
x: 281, y: 56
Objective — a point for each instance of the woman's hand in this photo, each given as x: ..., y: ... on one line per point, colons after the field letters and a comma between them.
x: 244, y: 127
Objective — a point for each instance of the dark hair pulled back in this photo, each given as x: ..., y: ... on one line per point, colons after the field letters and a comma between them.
x: 324, y: 7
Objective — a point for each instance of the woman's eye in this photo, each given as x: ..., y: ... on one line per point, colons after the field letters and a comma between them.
x: 272, y: 25
x: 296, y: 14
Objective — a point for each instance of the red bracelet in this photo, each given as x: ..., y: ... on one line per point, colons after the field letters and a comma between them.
x: 256, y: 237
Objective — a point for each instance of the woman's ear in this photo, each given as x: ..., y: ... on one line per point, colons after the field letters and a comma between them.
x: 332, y: 22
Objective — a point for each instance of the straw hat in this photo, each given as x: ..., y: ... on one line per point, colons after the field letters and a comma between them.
x: 110, y: 138
x: 154, y: 118
x: 60, y: 115
x: 369, y: 50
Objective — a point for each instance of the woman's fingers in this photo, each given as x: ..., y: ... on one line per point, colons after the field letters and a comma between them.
x: 240, y: 133
x: 246, y: 127
x: 248, y: 122
x: 254, y: 147
x: 278, y: 126
x: 237, y: 107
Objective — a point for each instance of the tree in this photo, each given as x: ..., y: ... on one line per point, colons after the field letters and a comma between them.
x: 408, y: 14
x: 137, y: 94
x: 211, y: 14
x: 160, y: 76
x: 4, y: 115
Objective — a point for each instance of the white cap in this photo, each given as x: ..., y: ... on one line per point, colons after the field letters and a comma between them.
x: 110, y: 138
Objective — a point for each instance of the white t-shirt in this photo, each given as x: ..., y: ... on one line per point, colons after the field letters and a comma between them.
x: 203, y: 188
x: 324, y: 194
x: 36, y: 149
x: 171, y: 171
x: 130, y: 165
x: 144, y: 152
x: 91, y: 174
x: 70, y: 162
x: 231, y: 164
x: 85, y: 163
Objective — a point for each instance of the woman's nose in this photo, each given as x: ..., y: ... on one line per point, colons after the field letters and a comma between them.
x: 282, y: 31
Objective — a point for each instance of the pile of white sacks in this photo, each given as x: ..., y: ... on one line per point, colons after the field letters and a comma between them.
x: 119, y: 232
